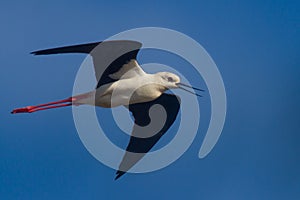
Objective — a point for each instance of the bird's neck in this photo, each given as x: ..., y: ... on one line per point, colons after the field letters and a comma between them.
x: 161, y: 88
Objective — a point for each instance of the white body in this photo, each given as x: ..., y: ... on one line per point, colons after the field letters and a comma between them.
x: 132, y: 86
x: 123, y: 92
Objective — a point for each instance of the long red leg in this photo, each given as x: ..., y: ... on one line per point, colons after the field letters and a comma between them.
x: 55, y: 104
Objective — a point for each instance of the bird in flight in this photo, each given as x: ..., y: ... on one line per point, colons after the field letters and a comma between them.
x: 122, y: 82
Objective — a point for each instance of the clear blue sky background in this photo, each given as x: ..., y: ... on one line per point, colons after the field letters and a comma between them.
x: 256, y: 47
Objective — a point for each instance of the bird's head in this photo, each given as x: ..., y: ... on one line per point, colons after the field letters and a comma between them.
x: 171, y: 81
x: 168, y: 80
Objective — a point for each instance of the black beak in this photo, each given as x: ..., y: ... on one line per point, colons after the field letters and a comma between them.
x: 180, y: 85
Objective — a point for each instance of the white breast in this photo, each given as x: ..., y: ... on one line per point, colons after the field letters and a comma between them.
x: 129, y: 91
x: 124, y: 92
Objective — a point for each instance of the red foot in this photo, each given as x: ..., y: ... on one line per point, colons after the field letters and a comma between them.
x: 22, y: 110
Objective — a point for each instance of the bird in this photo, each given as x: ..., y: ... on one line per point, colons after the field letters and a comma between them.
x: 121, y: 81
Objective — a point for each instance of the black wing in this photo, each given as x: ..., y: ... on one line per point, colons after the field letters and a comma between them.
x: 108, y: 56
x: 140, y: 145
x: 115, y: 54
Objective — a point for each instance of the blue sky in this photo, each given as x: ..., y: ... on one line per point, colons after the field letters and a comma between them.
x: 255, y: 44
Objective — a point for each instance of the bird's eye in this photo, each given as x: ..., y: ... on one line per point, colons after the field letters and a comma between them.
x: 170, y: 79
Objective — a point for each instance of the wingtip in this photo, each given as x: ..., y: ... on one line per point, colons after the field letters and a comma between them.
x: 119, y: 174
x: 35, y: 53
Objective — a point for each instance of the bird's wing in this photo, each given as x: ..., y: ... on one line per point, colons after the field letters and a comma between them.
x: 145, y: 134
x: 113, y: 59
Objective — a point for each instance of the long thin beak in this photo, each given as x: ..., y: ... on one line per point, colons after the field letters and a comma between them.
x: 182, y: 84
